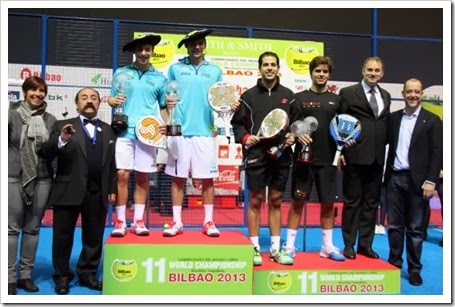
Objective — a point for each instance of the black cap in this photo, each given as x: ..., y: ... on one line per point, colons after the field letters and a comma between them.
x: 194, y: 35
x: 152, y: 39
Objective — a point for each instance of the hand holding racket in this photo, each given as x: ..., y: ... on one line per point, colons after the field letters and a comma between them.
x: 275, y: 121
x: 343, y: 128
x: 222, y: 96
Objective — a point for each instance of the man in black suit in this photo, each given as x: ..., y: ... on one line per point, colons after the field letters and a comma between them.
x: 363, y: 163
x: 413, y: 165
x: 85, y: 183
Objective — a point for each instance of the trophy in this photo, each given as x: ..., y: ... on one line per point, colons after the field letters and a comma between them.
x: 121, y: 84
x: 305, y: 155
x: 173, y: 91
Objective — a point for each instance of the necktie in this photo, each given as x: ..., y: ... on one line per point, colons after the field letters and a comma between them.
x: 91, y: 121
x: 374, y: 102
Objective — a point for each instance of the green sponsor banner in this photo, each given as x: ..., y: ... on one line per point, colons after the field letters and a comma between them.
x: 239, y: 56
x: 327, y: 282
x: 177, y: 269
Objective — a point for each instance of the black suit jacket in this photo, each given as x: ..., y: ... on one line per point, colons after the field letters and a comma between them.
x: 70, y: 183
x: 425, y: 149
x: 371, y: 143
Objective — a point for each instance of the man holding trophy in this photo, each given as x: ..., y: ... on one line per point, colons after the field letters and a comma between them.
x: 191, y: 144
x: 137, y: 90
x: 264, y: 167
x: 313, y: 165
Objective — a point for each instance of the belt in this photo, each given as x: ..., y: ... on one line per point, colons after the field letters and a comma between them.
x: 401, y: 171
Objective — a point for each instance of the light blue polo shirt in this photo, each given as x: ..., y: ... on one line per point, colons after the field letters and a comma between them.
x: 145, y: 92
x: 193, y: 111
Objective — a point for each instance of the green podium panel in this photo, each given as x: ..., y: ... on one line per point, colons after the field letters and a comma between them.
x: 312, y: 274
x: 190, y: 263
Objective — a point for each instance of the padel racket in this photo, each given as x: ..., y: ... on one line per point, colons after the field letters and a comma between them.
x: 343, y: 128
x: 148, y: 131
x: 220, y: 96
x: 275, y: 121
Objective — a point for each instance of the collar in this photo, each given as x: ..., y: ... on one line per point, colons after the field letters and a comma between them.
x: 415, y: 114
x: 82, y: 117
x: 367, y: 88
x: 131, y: 66
x: 261, y: 85
x: 186, y: 61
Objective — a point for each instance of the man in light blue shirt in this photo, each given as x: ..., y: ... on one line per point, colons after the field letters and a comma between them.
x: 196, y: 148
x: 142, y: 96
x: 413, y: 164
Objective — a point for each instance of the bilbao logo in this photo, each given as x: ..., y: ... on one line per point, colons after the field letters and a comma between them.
x: 298, y: 58
x: 163, y: 54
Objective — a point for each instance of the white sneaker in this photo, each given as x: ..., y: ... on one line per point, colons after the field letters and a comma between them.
x: 138, y: 227
x: 210, y: 230
x: 173, y: 230
x: 119, y: 229
x: 379, y: 230
x: 331, y: 252
x: 290, y: 251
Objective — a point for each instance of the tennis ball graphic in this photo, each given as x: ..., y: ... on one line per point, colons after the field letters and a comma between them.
x: 124, y: 270
x: 279, y: 282
x: 163, y: 54
x: 298, y: 58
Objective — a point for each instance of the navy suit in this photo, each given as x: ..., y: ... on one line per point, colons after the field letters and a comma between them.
x: 406, y: 207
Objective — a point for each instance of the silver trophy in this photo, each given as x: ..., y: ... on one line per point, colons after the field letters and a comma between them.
x: 305, y: 155
x: 121, y: 83
x: 173, y: 91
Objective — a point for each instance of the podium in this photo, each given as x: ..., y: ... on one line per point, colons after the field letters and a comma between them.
x: 311, y: 274
x: 189, y: 263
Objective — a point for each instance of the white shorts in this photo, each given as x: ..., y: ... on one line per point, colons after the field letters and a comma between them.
x: 132, y: 154
x: 195, y: 154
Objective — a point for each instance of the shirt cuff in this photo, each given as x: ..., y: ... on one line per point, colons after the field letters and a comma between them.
x: 61, y: 143
x: 429, y: 182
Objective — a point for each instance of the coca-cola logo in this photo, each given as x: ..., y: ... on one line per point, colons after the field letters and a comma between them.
x: 227, y: 175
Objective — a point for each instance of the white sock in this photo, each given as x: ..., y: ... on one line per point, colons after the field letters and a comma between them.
x: 120, y: 212
x: 208, y: 213
x: 327, y: 237
x: 290, y: 238
x: 138, y: 211
x: 275, y: 242
x: 255, y: 241
x: 177, y: 213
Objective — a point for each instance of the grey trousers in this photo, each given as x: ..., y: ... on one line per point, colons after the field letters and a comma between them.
x: 26, y: 220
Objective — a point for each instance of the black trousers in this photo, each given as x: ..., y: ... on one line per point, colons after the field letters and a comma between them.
x: 361, y: 191
x: 93, y: 217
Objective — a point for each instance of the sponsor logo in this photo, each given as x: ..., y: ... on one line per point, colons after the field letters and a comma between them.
x: 279, y: 282
x: 124, y: 270
x: 284, y: 101
x: 27, y: 72
x: 164, y: 53
x: 56, y: 97
x: 14, y: 95
x: 99, y: 79
x: 332, y: 88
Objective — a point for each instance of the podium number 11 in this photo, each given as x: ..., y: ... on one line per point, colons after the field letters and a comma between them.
x: 313, y: 279
x: 149, y: 264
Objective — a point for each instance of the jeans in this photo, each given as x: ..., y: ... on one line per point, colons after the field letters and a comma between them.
x: 25, y: 219
x: 405, y: 211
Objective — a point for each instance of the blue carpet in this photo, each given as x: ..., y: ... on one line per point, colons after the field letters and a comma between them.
x: 432, y: 272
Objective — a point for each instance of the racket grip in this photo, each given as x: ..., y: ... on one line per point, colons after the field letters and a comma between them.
x: 227, y: 130
x: 337, y: 157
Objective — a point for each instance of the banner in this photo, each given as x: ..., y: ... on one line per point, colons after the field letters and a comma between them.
x: 327, y: 282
